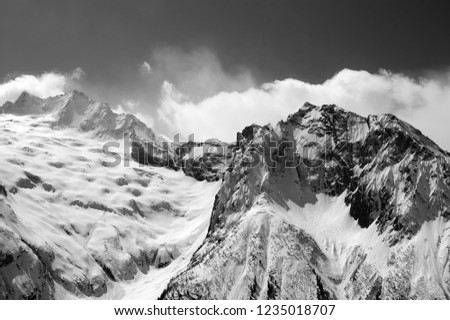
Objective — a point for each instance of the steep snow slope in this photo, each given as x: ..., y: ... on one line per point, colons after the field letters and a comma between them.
x: 70, y: 226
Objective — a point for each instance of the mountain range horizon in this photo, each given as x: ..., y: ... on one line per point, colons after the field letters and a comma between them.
x: 326, y: 204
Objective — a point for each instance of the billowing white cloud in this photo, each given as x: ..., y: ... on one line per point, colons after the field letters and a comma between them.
x: 45, y: 85
x: 119, y: 109
x: 127, y: 106
x: 77, y: 74
x: 231, y: 101
x: 425, y: 103
x: 145, y: 68
x: 148, y: 120
x: 198, y: 73
x: 131, y: 104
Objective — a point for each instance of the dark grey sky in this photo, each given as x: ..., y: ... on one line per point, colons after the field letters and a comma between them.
x: 306, y: 39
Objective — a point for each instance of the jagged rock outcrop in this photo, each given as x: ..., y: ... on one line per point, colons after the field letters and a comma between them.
x: 205, y: 160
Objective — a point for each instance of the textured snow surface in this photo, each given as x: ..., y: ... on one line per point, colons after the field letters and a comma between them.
x: 107, y: 231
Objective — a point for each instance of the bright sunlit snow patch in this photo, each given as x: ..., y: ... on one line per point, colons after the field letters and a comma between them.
x: 99, y: 219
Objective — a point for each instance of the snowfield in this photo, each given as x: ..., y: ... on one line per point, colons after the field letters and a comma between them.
x: 115, y: 232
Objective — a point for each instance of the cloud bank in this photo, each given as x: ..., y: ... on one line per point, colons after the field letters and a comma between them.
x: 193, y: 93
x: 198, y: 73
x: 425, y: 103
x: 45, y: 85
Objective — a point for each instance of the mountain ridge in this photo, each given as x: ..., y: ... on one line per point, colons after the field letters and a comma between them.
x: 326, y: 204
x: 372, y: 176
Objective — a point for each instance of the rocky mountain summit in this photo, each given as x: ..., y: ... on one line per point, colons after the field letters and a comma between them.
x: 325, y: 205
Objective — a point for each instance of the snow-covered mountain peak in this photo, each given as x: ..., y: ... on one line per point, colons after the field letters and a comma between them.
x: 26, y: 103
x: 328, y: 204
x: 75, y: 109
x: 25, y: 96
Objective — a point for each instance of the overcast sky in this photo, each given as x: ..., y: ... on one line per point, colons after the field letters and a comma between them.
x: 211, y: 67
